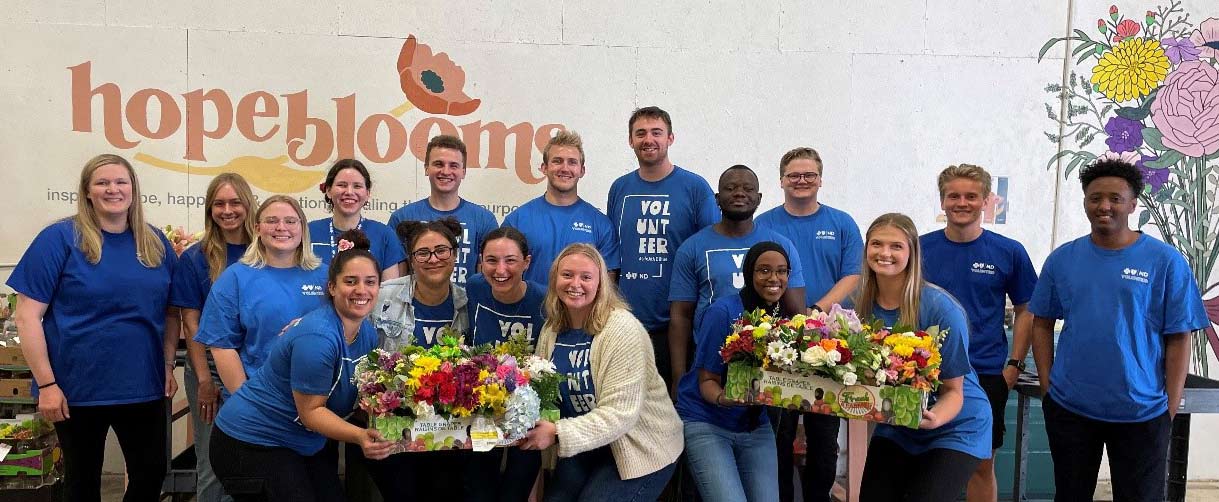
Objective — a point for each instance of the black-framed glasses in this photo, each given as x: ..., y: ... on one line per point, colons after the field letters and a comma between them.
x: 770, y: 272
x: 440, y: 252
x: 796, y: 177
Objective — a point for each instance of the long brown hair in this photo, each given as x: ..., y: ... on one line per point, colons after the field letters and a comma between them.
x: 149, y: 247
x: 607, y: 301
x: 214, y: 247
x: 911, y: 289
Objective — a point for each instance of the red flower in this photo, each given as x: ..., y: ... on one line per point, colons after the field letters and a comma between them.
x: 844, y: 355
x: 1126, y: 29
x: 1100, y: 26
x: 1113, y: 12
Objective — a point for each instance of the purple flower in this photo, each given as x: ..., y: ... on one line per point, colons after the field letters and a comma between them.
x: 1179, y: 49
x: 1125, y: 135
x: 1155, y: 178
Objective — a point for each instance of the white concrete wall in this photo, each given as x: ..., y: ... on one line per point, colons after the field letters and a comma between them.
x: 888, y: 92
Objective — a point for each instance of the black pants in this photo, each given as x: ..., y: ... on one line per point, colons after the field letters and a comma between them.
x: 1138, y: 454
x: 820, y: 461
x: 893, y: 475
x: 250, y: 472
x: 434, y: 475
x: 141, y: 429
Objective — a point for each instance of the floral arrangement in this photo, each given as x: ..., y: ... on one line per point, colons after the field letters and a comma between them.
x: 179, y: 238
x: 452, y: 380
x: 838, y: 346
x: 1153, y: 96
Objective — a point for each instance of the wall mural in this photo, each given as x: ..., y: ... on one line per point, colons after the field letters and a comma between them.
x: 1152, y: 97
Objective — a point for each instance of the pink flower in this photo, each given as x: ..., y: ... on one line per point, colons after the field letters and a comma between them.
x: 1126, y: 29
x: 1186, y: 111
x: 345, y: 244
x: 1207, y: 32
x: 1127, y: 157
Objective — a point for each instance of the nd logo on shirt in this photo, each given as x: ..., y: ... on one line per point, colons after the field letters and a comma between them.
x: 644, y: 229
x: 982, y: 268
x: 828, y: 235
x: 724, y: 271
x: 580, y: 226
x: 312, y: 290
x: 1134, y: 274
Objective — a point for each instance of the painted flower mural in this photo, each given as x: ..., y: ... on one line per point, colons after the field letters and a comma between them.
x: 433, y: 82
x: 1153, y: 96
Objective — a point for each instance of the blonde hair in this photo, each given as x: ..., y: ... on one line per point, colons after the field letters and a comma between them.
x: 967, y: 171
x: 213, y: 245
x: 911, y: 289
x: 564, y: 138
x: 801, y: 152
x: 256, y: 255
x: 606, y: 302
x: 149, y: 247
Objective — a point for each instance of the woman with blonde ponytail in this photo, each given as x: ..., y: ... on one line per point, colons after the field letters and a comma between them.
x: 228, y: 227
x: 98, y: 332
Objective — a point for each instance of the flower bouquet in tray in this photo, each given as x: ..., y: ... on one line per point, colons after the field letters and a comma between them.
x: 834, y: 364
x: 453, y: 396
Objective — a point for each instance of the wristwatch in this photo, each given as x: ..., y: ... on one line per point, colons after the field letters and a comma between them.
x: 1017, y: 363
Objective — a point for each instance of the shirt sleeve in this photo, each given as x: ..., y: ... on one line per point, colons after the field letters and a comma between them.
x: 1024, y: 279
x: 220, y: 323
x: 314, y: 361
x: 391, y: 249
x: 796, y: 278
x: 712, y: 331
x: 185, y: 291
x: 1045, y: 302
x: 1183, y: 309
x: 708, y: 211
x: 607, y: 243
x: 683, y: 287
x: 852, y: 249
x: 37, y: 274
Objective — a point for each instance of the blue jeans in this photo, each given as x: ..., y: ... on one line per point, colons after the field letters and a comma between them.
x: 207, y: 487
x: 732, y: 466
x: 592, y: 476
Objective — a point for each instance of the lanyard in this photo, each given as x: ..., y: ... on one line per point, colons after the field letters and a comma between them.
x: 334, y: 245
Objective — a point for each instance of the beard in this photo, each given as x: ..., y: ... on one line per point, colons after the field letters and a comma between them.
x: 735, y: 215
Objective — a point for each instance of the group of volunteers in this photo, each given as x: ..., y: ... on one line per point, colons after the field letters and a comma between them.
x: 632, y: 306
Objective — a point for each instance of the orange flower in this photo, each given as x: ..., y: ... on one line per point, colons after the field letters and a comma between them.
x: 829, y: 344
x: 433, y: 82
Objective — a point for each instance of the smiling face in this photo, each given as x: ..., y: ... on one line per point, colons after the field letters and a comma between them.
x: 354, y: 288
x: 110, y: 191
x: 1109, y: 201
x: 888, y: 251
x: 576, y: 284
x: 650, y: 139
x: 770, y: 276
x: 437, y: 267
x: 963, y: 201
x: 227, y: 210
x: 564, y: 169
x: 503, y: 265
x: 445, y: 169
x: 349, y: 192
x: 738, y: 195
x: 801, y: 179
x: 279, y: 228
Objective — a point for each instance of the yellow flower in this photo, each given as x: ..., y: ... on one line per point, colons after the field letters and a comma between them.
x: 903, y: 350
x: 483, y: 375
x: 459, y: 411
x: 759, y: 332
x: 427, y: 363
x: 1131, y: 69
x: 731, y: 338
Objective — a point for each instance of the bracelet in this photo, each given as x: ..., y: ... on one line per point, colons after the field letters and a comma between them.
x: 45, y: 385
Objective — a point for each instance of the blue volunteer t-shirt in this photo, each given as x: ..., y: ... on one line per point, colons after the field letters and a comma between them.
x: 476, y: 222
x: 970, y: 431
x: 492, y: 321
x: 311, y: 358
x: 105, y: 323
x: 652, y: 219
x: 572, y: 358
x: 716, y: 326
x: 192, y: 277
x: 708, y: 266
x: 1116, y: 307
x: 383, y: 242
x: 249, y: 307
x: 829, y: 243
x: 980, y: 274
x: 429, y: 319
x: 551, y: 228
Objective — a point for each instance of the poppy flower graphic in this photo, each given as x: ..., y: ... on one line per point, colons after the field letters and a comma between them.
x: 433, y: 82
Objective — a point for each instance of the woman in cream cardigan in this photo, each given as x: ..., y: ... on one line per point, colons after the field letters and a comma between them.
x: 619, y: 436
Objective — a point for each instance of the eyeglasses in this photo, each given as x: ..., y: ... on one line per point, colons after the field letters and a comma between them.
x: 796, y: 177
x: 441, y: 252
x: 768, y: 272
x: 273, y: 221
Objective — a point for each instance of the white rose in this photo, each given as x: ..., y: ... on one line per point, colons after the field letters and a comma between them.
x: 765, y: 325
x: 814, y: 355
x: 881, y: 377
x: 849, y: 378
x: 833, y: 356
